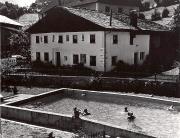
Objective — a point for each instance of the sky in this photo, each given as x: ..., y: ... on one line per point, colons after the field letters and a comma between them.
x: 19, y: 2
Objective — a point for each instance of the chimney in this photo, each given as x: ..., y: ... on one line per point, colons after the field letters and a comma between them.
x: 59, y: 3
x: 110, y: 22
x: 133, y: 18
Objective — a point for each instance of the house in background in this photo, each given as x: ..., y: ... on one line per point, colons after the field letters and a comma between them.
x: 69, y: 36
x: 7, y: 26
x: 105, y: 6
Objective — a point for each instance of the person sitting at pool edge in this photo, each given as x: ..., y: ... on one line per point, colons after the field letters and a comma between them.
x: 86, y: 112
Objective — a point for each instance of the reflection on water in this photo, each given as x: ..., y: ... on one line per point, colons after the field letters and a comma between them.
x: 151, y: 118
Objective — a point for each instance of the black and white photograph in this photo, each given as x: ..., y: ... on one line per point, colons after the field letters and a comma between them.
x: 90, y: 68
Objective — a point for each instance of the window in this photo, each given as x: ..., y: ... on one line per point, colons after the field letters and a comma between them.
x: 45, y: 39
x: 60, y: 39
x: 38, y: 56
x: 114, y: 60
x: 142, y: 55
x: 115, y: 39
x: 92, y: 60
x: 92, y: 39
x: 37, y: 39
x: 82, y: 37
x: 46, y: 57
x: 65, y: 58
x: 107, y: 9
x: 83, y: 58
x: 120, y: 10
x: 75, y: 39
x: 132, y: 36
x: 67, y: 37
x: 136, y: 55
x: 53, y: 39
x: 75, y: 59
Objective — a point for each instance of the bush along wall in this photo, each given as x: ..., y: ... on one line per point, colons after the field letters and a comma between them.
x: 169, y: 89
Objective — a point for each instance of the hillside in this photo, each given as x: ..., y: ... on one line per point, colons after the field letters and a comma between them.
x: 11, y: 10
x: 160, y: 9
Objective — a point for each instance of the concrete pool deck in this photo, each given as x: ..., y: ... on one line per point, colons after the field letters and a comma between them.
x: 16, y: 98
x: 106, y: 97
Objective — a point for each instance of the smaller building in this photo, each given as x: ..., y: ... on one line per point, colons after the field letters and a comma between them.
x: 105, y: 6
x: 7, y: 26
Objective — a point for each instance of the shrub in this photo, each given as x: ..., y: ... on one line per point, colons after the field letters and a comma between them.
x: 142, y: 16
x: 122, y: 66
x: 42, y: 65
x: 146, y: 5
x: 156, y: 15
x: 165, y: 13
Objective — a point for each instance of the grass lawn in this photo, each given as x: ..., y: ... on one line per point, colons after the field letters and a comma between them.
x: 11, y: 129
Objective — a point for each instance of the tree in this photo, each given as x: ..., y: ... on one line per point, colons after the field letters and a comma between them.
x: 177, y: 16
x: 158, y: 2
x: 142, y: 16
x: 4, y: 10
x: 156, y: 15
x: 12, y: 11
x: 177, y: 29
x: 20, y: 44
x: 146, y: 6
x: 165, y: 13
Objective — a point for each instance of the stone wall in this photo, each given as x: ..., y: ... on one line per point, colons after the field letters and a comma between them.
x: 65, y: 122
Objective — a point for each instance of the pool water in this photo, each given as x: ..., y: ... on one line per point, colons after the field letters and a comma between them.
x: 151, y: 119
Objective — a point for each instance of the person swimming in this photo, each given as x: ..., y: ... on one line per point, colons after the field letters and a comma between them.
x: 86, y: 112
x: 131, y: 117
x: 171, y: 108
x: 125, y: 109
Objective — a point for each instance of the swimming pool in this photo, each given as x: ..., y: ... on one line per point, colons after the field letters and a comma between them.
x: 151, y: 118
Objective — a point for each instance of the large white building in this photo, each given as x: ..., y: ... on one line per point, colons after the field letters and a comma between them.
x: 69, y: 36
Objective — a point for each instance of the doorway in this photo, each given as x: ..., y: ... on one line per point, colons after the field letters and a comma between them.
x: 135, y: 58
x: 58, y: 59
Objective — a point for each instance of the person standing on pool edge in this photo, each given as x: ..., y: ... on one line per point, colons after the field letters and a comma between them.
x: 76, y: 113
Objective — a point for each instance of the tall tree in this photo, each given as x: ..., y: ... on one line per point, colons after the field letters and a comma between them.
x: 177, y: 29
x: 20, y: 44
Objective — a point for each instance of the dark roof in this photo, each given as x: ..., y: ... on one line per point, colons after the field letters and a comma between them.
x: 64, y: 19
x: 143, y: 24
x: 77, y: 3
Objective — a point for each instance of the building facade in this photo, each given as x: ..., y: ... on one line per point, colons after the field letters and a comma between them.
x: 89, y: 38
x: 88, y: 48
